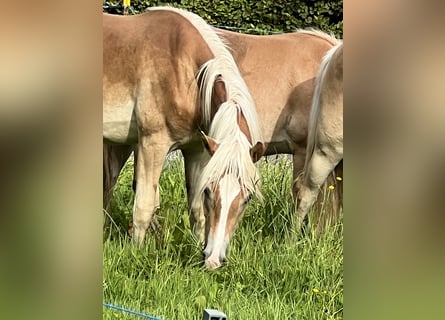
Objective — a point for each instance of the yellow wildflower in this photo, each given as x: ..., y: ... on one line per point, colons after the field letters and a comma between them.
x: 331, y: 187
x: 315, y: 290
x: 339, y: 178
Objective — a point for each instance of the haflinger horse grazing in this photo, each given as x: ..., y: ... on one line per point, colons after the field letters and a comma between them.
x: 167, y: 76
x: 238, y: 183
x: 325, y: 139
x: 280, y: 71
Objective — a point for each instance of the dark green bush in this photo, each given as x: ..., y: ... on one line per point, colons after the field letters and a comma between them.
x: 265, y: 15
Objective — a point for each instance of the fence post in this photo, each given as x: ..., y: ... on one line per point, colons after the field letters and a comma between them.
x: 212, y: 314
x: 126, y: 6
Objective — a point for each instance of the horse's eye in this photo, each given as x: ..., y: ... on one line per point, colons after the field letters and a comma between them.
x: 207, y: 192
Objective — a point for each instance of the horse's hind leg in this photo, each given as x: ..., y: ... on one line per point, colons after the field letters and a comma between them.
x: 320, y: 166
x: 114, y: 158
x: 152, y: 151
x: 298, y: 165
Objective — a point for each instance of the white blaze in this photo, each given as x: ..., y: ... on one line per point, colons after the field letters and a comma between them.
x: 228, y: 188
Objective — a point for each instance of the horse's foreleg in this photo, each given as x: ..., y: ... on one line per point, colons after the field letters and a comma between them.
x: 196, y: 213
x: 151, y: 154
x: 320, y: 166
x: 158, y: 201
x: 155, y: 225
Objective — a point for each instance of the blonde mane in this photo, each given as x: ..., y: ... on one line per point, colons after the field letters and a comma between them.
x: 231, y: 157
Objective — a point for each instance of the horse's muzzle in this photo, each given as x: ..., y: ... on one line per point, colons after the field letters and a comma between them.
x: 211, y: 262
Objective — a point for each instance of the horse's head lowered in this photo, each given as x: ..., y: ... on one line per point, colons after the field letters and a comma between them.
x: 227, y: 182
x: 234, y: 142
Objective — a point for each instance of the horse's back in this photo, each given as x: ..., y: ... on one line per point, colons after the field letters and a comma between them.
x: 280, y: 72
x: 136, y: 42
x: 149, y: 64
x: 292, y: 57
x: 278, y: 49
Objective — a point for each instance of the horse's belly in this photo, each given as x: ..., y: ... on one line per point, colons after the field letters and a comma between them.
x: 119, y: 124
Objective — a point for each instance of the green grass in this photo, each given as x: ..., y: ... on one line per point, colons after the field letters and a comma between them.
x: 270, y: 273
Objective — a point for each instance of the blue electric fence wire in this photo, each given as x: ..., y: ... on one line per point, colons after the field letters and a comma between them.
x: 140, y: 314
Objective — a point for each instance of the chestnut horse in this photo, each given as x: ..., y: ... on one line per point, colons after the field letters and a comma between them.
x: 167, y: 76
x: 280, y: 71
x: 325, y: 140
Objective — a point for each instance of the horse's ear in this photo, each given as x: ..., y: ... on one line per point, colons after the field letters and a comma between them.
x: 257, y: 151
x: 209, y: 143
x: 219, y: 94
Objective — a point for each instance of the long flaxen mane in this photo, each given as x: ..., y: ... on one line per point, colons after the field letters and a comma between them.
x: 233, y: 153
x: 232, y: 156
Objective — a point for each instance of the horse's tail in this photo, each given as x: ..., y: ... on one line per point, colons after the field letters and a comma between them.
x: 330, y: 198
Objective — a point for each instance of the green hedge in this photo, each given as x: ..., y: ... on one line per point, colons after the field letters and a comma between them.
x: 268, y: 15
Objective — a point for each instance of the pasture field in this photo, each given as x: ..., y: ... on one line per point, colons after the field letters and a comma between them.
x: 270, y: 273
